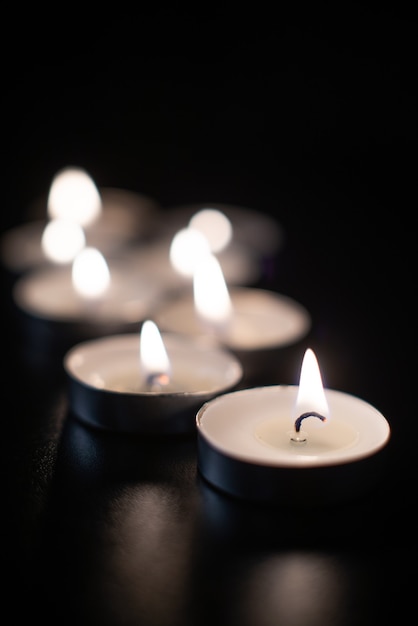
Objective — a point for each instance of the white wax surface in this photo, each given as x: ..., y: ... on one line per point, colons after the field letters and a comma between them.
x: 48, y: 293
x: 113, y: 363
x: 256, y: 425
x: 129, y: 379
x: 261, y: 319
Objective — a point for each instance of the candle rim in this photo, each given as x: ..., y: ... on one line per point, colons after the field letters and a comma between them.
x: 235, y: 368
x: 287, y: 460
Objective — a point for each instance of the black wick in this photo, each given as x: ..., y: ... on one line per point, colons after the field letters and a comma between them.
x: 299, y: 420
x: 157, y: 382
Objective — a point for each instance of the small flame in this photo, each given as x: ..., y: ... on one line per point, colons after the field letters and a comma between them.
x: 216, y: 227
x: 90, y: 273
x: 211, y: 296
x: 74, y: 196
x: 187, y: 248
x: 311, y: 395
x: 154, y: 360
x: 62, y: 240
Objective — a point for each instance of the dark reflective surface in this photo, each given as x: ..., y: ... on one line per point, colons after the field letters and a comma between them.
x: 316, y: 127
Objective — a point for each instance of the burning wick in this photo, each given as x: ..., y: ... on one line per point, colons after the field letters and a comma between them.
x: 298, y: 422
x: 157, y: 382
x: 154, y: 359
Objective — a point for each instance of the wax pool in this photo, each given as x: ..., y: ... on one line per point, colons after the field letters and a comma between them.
x: 317, y: 442
x: 125, y: 376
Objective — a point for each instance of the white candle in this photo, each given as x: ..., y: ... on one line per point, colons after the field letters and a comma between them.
x: 124, y: 217
x: 260, y: 324
x: 252, y: 319
x: 253, y: 229
x: 249, y: 446
x: 109, y: 388
x: 60, y: 306
x: 50, y: 294
x: 259, y: 428
x: 211, y: 231
x: 152, y: 260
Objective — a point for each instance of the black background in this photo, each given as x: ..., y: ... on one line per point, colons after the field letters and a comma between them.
x: 307, y: 115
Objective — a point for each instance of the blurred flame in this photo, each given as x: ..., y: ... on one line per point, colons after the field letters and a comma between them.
x: 154, y: 360
x: 90, y: 273
x: 62, y: 240
x: 74, y: 196
x: 211, y: 296
x: 216, y: 227
x: 187, y: 248
x: 311, y: 395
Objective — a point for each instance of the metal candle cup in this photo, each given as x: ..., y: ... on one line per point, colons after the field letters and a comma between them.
x: 245, y: 447
x: 106, y: 388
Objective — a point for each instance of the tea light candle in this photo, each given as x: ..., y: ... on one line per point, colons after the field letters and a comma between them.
x: 153, y: 261
x: 255, y: 324
x: 147, y: 385
x: 300, y: 444
x: 111, y: 218
x: 176, y: 252
x: 62, y: 305
x: 255, y: 230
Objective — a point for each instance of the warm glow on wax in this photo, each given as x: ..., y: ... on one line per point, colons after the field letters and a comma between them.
x: 187, y: 248
x: 154, y: 360
x: 90, y: 273
x: 211, y: 296
x: 311, y: 395
x: 74, y: 196
x: 62, y: 240
x: 216, y: 227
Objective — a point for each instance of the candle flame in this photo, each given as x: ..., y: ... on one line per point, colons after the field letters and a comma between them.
x: 74, y: 196
x: 311, y: 395
x: 216, y: 227
x: 211, y: 296
x: 90, y: 273
x: 187, y: 248
x: 154, y: 360
x: 62, y: 240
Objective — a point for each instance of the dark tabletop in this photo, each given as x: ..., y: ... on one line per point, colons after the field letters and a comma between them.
x: 314, y: 125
